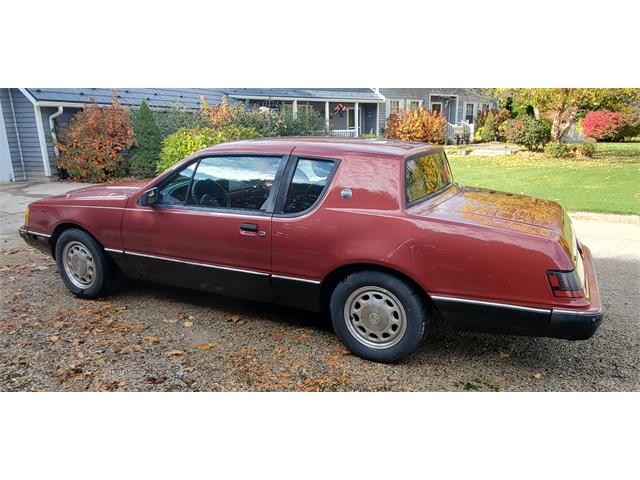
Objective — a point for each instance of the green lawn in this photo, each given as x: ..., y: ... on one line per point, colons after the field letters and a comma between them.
x: 609, y: 182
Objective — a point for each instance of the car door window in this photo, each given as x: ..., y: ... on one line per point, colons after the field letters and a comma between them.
x: 234, y: 182
x: 309, y: 180
x: 174, y: 192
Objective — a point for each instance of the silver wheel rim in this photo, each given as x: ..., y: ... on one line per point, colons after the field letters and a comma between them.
x: 375, y: 317
x: 79, y: 264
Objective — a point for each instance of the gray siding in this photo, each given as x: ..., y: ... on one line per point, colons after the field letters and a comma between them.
x: 61, y: 121
x: 26, y: 135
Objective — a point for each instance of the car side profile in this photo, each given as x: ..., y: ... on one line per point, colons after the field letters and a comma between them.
x: 375, y: 232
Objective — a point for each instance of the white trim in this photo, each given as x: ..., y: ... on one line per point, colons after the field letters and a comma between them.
x: 42, y: 140
x: 378, y: 119
x: 296, y: 279
x: 408, y: 101
x: 491, y: 304
x: 26, y: 93
x: 48, y: 103
x: 475, y: 111
x: 400, y: 101
x: 5, y: 152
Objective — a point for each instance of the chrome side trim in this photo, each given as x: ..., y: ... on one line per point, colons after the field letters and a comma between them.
x: 114, y: 250
x: 44, y: 235
x: 197, y: 264
x: 297, y: 279
x: 577, y: 312
x: 491, y: 304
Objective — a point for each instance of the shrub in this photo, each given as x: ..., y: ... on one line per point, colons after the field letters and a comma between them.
x: 306, y: 122
x: 184, y: 142
x: 556, y: 150
x: 603, y: 125
x: 491, y: 121
x: 144, y: 156
x: 92, y: 145
x: 587, y: 148
x: 527, y: 131
x: 174, y: 118
x: 418, y: 125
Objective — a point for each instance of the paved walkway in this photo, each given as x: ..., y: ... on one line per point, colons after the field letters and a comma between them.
x: 14, y: 198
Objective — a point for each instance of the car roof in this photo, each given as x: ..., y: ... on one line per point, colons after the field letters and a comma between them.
x: 330, y: 146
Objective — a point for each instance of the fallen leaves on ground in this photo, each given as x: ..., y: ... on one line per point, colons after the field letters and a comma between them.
x: 175, y: 353
x: 504, y: 355
x: 537, y: 376
x: 205, y: 346
x: 156, y: 380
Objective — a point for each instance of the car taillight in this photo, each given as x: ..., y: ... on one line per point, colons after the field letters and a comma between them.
x: 565, y: 284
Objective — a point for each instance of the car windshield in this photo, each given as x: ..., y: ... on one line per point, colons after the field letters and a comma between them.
x: 426, y: 175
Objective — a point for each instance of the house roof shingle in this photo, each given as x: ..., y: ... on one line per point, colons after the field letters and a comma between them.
x: 155, y: 97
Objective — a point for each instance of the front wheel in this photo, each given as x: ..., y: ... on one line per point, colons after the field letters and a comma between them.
x: 378, y: 316
x: 82, y: 263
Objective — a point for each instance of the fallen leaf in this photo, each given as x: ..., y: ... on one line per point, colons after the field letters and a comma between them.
x: 188, y: 324
x: 189, y: 369
x: 241, y: 322
x: 151, y: 338
x: 233, y: 318
x: 504, y: 355
x: 175, y: 353
x: 205, y: 346
x: 170, y: 320
x: 191, y: 317
x: 344, y: 351
x: 537, y: 376
x: 54, y: 338
x: 156, y: 380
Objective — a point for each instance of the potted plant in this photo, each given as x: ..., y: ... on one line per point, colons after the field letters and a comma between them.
x: 339, y: 109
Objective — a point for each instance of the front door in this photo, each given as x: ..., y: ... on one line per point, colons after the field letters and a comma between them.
x: 210, y: 228
x: 436, y: 107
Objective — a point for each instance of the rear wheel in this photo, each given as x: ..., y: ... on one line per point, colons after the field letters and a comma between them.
x: 378, y: 316
x: 82, y: 263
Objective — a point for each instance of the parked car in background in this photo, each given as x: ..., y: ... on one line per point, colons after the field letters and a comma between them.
x: 374, y: 232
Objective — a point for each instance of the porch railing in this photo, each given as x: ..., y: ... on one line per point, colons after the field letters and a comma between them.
x: 350, y: 132
x: 462, y: 131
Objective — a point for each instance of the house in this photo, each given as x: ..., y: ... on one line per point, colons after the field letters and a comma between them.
x: 28, y: 116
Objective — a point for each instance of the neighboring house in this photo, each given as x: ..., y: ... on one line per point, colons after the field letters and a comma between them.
x: 28, y: 115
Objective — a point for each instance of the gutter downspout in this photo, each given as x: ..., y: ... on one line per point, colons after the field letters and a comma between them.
x: 52, y: 127
x: 15, y: 126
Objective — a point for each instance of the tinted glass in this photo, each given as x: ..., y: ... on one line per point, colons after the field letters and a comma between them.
x: 242, y: 183
x: 309, y: 180
x: 426, y: 175
x: 175, y: 191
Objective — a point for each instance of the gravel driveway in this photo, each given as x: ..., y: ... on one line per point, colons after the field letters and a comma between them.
x: 154, y: 338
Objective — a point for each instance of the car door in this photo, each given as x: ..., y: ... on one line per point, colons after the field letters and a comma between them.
x: 301, y: 235
x: 210, y: 228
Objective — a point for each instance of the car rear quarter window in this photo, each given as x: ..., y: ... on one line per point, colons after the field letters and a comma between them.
x: 310, y: 178
x: 426, y: 175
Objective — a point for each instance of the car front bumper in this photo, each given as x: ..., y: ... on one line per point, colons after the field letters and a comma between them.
x: 37, y: 240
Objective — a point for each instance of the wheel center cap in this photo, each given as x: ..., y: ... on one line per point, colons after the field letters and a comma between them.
x: 374, y: 318
x: 79, y: 265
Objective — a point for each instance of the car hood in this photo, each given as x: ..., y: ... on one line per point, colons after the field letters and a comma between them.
x: 115, y: 190
x: 106, y: 194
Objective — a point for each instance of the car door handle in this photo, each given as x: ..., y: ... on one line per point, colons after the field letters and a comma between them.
x: 249, y: 227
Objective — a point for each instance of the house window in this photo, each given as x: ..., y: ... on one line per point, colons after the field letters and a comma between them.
x: 469, y: 112
x: 394, y: 107
x: 413, y: 104
x: 486, y: 107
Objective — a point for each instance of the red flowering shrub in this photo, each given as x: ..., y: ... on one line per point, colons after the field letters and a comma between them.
x: 604, y: 125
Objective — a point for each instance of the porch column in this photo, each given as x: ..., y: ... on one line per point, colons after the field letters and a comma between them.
x: 326, y: 114
x: 357, y: 119
x: 295, y: 108
x: 377, y: 119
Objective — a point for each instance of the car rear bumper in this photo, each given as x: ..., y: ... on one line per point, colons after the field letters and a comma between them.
x: 37, y: 240
x: 500, y: 318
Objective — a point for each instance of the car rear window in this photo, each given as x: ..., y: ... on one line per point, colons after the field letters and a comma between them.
x: 426, y: 175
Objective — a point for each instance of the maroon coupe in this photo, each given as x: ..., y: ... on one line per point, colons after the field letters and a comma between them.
x: 374, y: 231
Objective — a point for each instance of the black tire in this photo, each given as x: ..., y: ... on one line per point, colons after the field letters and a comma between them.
x: 411, y: 302
x: 101, y: 267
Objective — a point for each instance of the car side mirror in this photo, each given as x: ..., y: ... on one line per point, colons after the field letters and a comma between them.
x: 150, y: 197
